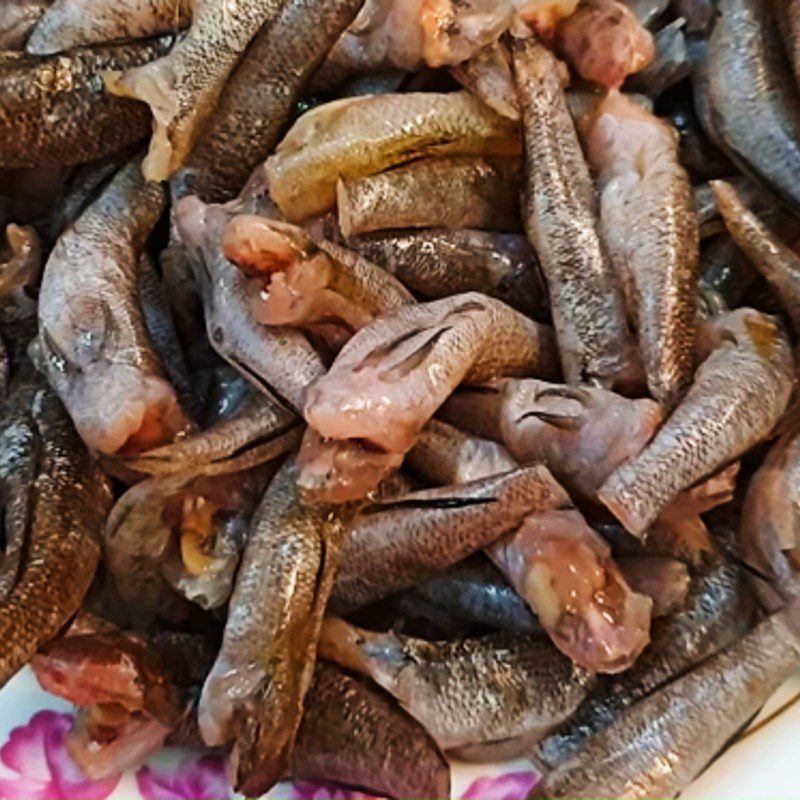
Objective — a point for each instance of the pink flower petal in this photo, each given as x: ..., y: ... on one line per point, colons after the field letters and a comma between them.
x: 193, y: 779
x: 511, y: 786
x: 24, y: 750
x: 36, y: 752
x: 318, y: 790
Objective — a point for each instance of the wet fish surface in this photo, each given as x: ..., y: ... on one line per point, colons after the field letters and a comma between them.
x: 55, y: 111
x: 433, y: 193
x: 627, y: 760
x: 397, y: 542
x: 98, y: 354
x: 261, y: 94
x: 560, y: 219
x: 318, y: 149
x: 67, y: 24
x: 452, y: 688
x: 739, y: 393
x: 718, y: 612
x: 354, y: 734
x: 438, y: 263
x: 57, y: 508
x: 749, y: 80
x: 253, y: 697
x: 182, y: 87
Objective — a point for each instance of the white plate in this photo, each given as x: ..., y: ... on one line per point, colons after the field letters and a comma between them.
x: 34, y: 764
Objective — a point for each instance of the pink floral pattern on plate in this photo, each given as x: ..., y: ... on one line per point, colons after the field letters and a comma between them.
x: 194, y: 778
x: 42, y: 769
x: 36, y: 766
x: 315, y: 790
x: 511, y: 786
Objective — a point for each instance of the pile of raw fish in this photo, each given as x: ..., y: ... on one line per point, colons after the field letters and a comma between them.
x: 389, y: 381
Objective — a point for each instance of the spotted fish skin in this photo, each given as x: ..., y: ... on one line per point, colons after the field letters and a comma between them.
x: 560, y: 217
x: 739, y: 393
x: 261, y: 95
x: 55, y: 111
x: 67, y: 24
x: 61, y: 511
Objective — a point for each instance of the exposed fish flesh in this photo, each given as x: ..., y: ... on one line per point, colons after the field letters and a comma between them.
x: 280, y: 362
x: 650, y: 225
x: 401, y: 367
x: 604, y: 42
x: 718, y: 612
x: 582, y: 433
x: 564, y: 571
x: 98, y: 355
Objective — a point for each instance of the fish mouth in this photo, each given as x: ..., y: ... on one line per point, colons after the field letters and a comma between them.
x: 340, y: 471
x: 128, y: 417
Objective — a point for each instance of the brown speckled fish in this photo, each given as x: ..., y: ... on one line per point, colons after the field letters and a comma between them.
x: 183, y: 87
x: 776, y: 261
x: 258, y: 430
x: 455, y: 689
x: 433, y: 193
x: 98, y: 355
x: 755, y: 110
x: 320, y: 287
x: 67, y: 24
x: 353, y: 733
x: 253, y: 697
x: 445, y: 455
x: 437, y: 263
x: 399, y: 541
x: 718, y: 612
x: 739, y: 393
x: 650, y: 226
x: 488, y: 76
x: 660, y: 744
x: 390, y: 378
x: 55, y: 499
x: 261, y: 95
x: 582, y: 433
x: 560, y: 218
x: 279, y: 361
x: 55, y: 111
x: 360, y: 136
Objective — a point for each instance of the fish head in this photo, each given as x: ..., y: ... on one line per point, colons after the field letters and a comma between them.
x: 338, y: 471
